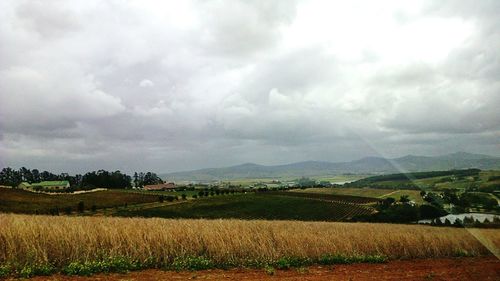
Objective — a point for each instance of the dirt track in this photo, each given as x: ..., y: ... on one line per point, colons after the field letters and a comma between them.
x: 477, y: 269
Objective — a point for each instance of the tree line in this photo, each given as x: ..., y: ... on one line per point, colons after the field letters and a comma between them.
x: 100, y: 178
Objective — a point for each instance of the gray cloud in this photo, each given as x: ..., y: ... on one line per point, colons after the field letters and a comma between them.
x: 169, y: 86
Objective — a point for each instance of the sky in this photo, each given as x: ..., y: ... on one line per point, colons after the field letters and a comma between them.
x: 167, y: 86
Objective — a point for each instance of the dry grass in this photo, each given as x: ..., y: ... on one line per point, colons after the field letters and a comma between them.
x: 58, y: 241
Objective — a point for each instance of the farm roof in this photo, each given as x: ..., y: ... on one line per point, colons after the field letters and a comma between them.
x: 51, y: 183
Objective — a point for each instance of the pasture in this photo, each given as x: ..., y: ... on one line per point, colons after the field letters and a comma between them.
x: 351, y: 191
x: 414, y: 195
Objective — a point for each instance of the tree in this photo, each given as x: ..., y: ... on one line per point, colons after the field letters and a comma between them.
x: 387, y: 202
x: 151, y: 178
x: 404, y: 199
x: 458, y: 223
x: 106, y: 179
x: 423, y: 193
x: 136, y: 180
x: 10, y: 177
x: 81, y: 207
x: 431, y: 211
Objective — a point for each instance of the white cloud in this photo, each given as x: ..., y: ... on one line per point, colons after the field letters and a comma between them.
x: 202, y: 83
x: 146, y: 83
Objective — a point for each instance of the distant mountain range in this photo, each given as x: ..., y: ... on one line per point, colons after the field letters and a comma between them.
x: 368, y: 165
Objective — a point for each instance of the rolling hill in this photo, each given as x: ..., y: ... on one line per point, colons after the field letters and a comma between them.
x: 375, y: 165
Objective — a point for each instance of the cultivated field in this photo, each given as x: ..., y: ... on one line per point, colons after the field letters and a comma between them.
x: 257, y: 206
x: 365, y: 192
x: 73, y: 244
x: 21, y: 201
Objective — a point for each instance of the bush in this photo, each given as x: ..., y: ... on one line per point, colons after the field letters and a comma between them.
x: 4, y: 271
x: 81, y: 207
x: 184, y: 196
x: 289, y: 262
x: 340, y: 259
x: 192, y: 263
x: 40, y: 270
x: 113, y: 264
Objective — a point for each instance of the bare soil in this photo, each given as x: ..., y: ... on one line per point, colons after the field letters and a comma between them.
x: 485, y: 268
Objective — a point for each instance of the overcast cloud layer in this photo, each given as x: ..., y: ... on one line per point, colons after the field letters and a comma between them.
x: 175, y: 85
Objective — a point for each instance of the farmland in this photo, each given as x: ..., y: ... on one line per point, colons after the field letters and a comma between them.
x: 21, y: 201
x: 255, y: 206
x: 435, y: 180
x: 365, y: 192
x: 57, y: 243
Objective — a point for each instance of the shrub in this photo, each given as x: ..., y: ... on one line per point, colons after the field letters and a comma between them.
x: 4, y: 271
x: 112, y: 264
x: 192, y: 263
x: 30, y: 271
x: 340, y: 259
x: 81, y: 207
x: 269, y: 270
x: 289, y: 262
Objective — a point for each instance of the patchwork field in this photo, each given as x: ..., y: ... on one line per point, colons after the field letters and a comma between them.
x: 80, y: 245
x: 435, y: 180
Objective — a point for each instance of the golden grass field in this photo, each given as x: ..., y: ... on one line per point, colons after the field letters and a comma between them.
x: 58, y: 241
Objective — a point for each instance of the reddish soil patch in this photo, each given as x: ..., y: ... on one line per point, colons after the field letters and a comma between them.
x: 487, y: 268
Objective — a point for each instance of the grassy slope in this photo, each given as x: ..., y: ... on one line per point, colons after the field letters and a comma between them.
x: 20, y: 201
x: 438, y: 183
x: 414, y: 195
x: 366, y: 192
x: 247, y: 206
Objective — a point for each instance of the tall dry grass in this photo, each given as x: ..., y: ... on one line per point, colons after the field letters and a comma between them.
x: 28, y: 239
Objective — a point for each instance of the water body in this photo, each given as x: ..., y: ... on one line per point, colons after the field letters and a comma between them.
x: 476, y: 216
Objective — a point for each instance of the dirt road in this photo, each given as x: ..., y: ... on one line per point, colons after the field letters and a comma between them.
x: 429, y: 269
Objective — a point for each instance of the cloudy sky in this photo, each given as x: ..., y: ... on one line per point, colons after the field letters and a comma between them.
x: 175, y: 85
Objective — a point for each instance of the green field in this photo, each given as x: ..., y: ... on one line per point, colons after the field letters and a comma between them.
x: 414, y: 195
x: 253, y: 206
x: 365, y: 192
x: 21, y: 201
x: 432, y: 181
